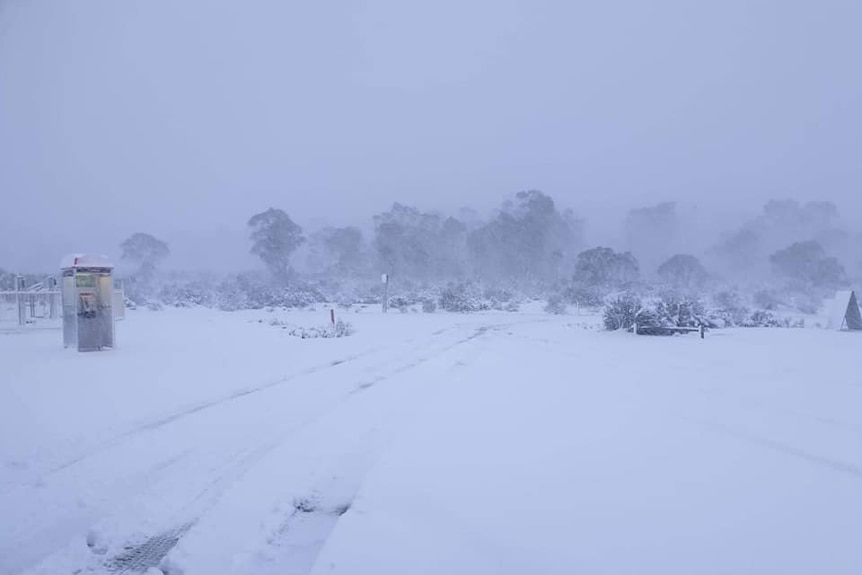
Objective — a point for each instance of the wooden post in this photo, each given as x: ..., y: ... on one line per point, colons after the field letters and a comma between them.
x: 702, y: 332
x: 332, y: 316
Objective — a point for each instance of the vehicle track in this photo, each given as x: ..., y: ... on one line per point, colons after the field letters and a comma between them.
x: 190, y: 449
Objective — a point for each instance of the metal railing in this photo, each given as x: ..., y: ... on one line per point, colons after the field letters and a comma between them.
x: 41, y: 305
x: 31, y: 308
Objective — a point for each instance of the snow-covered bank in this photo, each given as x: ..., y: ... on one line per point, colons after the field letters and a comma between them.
x: 214, y: 442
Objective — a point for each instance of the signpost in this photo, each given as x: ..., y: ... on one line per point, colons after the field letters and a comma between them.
x: 385, y: 279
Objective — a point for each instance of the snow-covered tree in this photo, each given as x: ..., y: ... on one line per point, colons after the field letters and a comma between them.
x: 338, y: 252
x: 744, y: 253
x: 7, y: 280
x: 683, y: 271
x: 529, y: 239
x: 274, y: 238
x: 420, y: 245
x: 144, y: 250
x: 808, y: 263
x: 603, y: 267
x: 739, y: 254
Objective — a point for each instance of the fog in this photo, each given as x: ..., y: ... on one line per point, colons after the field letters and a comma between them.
x: 183, y: 119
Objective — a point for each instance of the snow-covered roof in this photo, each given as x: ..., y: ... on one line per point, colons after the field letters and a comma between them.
x: 85, y: 261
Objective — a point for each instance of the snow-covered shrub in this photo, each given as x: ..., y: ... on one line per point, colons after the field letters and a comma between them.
x: 657, y: 317
x: 186, y: 295
x: 764, y: 318
x: 343, y: 329
x: 584, y: 295
x: 512, y: 307
x: 401, y: 303
x: 231, y: 295
x: 429, y: 305
x: 622, y: 312
x: 246, y: 291
x: 461, y: 298
x: 340, y: 329
x: 729, y: 309
x: 556, y: 305
x: 761, y: 318
x: 679, y: 310
x: 498, y: 294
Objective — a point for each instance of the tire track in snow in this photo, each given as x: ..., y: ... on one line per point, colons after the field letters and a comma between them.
x: 163, y: 420
x: 784, y: 448
x: 322, y: 491
x: 239, y: 469
x: 114, y: 484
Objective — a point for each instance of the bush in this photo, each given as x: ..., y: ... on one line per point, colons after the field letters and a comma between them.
x: 764, y: 318
x: 584, y: 295
x: 460, y: 298
x: 496, y: 294
x: 676, y: 310
x: 556, y: 305
x: 730, y: 310
x: 340, y: 329
x: 190, y: 295
x: 622, y: 312
x: 429, y: 306
x: 512, y: 306
x: 761, y: 318
x: 669, y: 311
x: 249, y: 292
x: 401, y: 303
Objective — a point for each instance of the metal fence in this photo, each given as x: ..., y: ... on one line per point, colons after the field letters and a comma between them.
x: 42, y: 308
x: 31, y: 308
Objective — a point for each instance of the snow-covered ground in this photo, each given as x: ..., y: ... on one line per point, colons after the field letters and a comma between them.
x: 216, y: 443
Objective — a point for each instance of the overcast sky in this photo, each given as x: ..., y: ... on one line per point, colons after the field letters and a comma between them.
x: 183, y: 118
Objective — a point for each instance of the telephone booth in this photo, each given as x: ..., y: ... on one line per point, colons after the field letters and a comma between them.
x: 88, y: 293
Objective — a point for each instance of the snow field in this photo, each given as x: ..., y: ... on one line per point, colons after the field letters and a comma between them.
x: 212, y: 442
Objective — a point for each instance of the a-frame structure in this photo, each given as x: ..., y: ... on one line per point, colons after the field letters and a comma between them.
x: 844, y: 312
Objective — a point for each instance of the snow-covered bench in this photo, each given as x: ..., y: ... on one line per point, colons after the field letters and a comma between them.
x: 674, y: 329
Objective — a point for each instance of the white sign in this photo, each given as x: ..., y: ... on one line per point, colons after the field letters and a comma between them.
x: 385, y: 278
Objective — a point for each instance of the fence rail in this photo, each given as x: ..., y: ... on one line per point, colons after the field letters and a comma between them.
x: 43, y: 308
